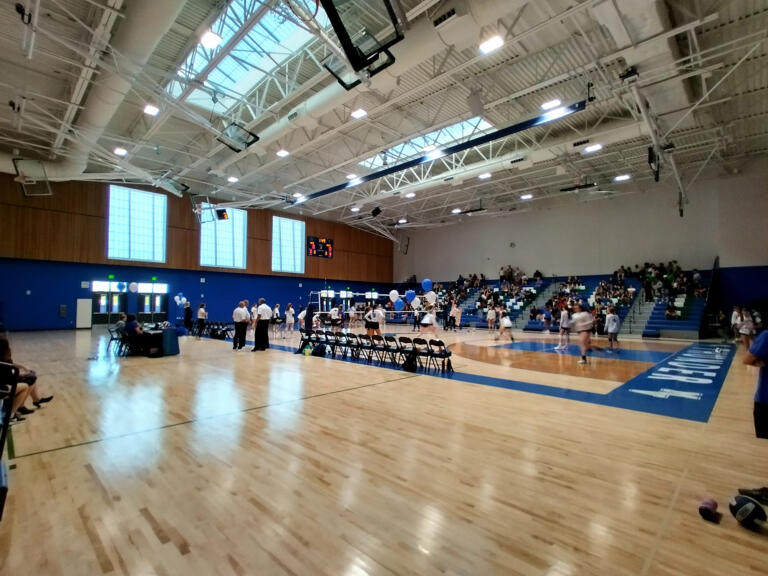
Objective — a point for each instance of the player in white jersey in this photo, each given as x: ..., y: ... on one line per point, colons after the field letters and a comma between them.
x: 582, y: 322
x: 565, y: 330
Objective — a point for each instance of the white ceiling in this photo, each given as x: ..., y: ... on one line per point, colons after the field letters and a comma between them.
x: 553, y: 49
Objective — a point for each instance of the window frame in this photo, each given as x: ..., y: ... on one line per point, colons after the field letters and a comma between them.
x: 121, y: 229
x: 299, y: 249
x: 234, y: 215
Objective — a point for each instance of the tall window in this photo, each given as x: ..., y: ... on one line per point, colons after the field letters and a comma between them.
x: 223, y: 242
x: 137, y: 223
x: 287, y: 245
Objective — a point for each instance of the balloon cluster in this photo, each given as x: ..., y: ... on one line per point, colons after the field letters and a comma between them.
x: 180, y: 299
x: 411, y: 298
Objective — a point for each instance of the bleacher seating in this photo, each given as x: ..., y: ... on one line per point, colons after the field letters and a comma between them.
x: 691, y: 310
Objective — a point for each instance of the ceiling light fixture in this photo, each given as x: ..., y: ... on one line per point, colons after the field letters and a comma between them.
x: 300, y: 199
x: 403, y: 221
x: 358, y: 114
x: 410, y: 195
x: 351, y: 176
x: 492, y: 44
x: 593, y: 148
x: 120, y: 151
x: 428, y: 148
x: 456, y: 211
x: 151, y: 110
x: 484, y: 176
x: 233, y: 179
x: 622, y: 178
x: 283, y: 153
x: 297, y: 194
x: 210, y: 40
x: 551, y: 104
x: 526, y: 196
x: 355, y: 209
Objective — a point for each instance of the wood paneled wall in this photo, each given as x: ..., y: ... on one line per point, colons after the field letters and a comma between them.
x: 71, y: 226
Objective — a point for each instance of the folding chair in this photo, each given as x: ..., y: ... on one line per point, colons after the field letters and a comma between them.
x: 422, y: 351
x: 114, y: 338
x: 331, y: 341
x: 366, y: 346
x: 440, y: 352
x: 378, y: 347
x: 405, y: 346
x: 304, y: 339
x: 392, y: 348
x: 9, y: 377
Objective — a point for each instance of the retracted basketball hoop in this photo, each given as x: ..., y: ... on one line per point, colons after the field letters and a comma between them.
x: 367, y: 52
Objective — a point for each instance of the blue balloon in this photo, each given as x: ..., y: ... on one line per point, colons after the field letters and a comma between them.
x: 399, y: 304
x: 410, y: 295
x: 121, y: 286
x: 426, y: 284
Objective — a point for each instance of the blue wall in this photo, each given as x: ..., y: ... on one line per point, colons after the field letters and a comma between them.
x: 31, y: 291
x: 744, y: 286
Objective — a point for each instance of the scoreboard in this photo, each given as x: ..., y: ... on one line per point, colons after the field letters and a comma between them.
x: 320, y: 247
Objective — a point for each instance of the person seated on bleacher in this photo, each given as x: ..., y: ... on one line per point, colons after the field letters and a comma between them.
x: 671, y: 312
x: 26, y: 387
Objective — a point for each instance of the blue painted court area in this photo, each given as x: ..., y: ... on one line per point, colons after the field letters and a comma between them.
x: 573, y: 350
x: 683, y: 385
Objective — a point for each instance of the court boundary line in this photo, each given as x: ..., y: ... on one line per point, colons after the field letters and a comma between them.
x: 204, y: 418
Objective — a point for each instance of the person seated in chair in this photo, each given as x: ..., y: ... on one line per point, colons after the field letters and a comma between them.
x: 120, y: 324
x: 25, y: 387
x: 134, y: 333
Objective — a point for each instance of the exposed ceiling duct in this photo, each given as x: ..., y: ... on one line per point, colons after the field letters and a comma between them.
x: 144, y: 25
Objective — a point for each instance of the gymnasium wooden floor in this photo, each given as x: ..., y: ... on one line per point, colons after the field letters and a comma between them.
x: 217, y: 462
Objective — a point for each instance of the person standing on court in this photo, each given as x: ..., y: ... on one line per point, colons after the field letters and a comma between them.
x: 202, y: 316
x: 261, y: 335
x: 758, y: 356
x: 188, y: 317
x: 241, y: 318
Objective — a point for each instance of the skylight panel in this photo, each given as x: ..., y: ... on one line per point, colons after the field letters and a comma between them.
x: 446, y: 136
x: 269, y: 43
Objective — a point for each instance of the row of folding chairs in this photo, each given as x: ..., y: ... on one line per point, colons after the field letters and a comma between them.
x: 381, y: 349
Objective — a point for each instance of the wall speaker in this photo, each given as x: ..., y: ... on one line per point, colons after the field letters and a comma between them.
x: 376, y: 211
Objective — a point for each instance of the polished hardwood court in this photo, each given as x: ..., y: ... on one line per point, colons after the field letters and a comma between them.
x: 241, y: 463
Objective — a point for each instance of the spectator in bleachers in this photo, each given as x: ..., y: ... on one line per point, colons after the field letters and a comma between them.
x: 671, y: 312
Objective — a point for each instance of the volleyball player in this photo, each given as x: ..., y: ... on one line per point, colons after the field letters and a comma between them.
x: 505, y: 326
x: 428, y: 322
x: 288, y: 320
x: 276, y: 321
x: 302, y: 315
x: 491, y: 317
x: 336, y: 318
x: 582, y: 323
x: 612, y: 327
x: 565, y: 329
x: 371, y: 321
x: 381, y: 319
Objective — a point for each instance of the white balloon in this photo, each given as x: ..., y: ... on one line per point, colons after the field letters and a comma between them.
x: 133, y: 287
x: 431, y: 297
x: 177, y: 299
x: 183, y: 300
x: 416, y: 302
x: 393, y: 295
